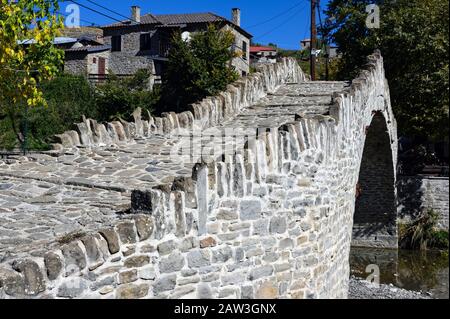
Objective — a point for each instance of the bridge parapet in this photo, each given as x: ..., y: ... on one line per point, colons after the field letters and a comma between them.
x: 209, y: 112
x: 271, y: 219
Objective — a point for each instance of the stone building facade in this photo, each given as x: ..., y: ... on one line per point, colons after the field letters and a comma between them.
x: 143, y: 41
x: 84, y: 51
x: 261, y: 55
x: 130, y: 58
x: 87, y: 61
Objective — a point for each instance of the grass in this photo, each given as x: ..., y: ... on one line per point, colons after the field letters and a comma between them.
x: 423, y: 233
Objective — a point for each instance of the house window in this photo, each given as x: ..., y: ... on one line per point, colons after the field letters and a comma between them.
x: 116, y: 43
x: 244, y: 50
x: 146, y: 42
x: 94, y: 60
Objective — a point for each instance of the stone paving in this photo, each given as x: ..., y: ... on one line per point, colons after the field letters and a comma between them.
x: 46, y: 198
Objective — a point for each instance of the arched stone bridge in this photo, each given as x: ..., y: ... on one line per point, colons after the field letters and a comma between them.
x: 256, y: 193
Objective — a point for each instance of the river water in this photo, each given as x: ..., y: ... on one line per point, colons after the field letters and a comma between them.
x: 426, y: 271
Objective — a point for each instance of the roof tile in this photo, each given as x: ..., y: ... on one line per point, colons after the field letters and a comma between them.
x: 175, y: 19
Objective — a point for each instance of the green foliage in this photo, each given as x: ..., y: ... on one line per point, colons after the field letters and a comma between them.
x: 119, y: 97
x: 422, y: 233
x: 74, y: 96
x: 68, y: 98
x: 302, y: 57
x: 198, y: 68
x: 22, y: 67
x: 8, y: 140
x: 414, y: 40
x: 441, y: 239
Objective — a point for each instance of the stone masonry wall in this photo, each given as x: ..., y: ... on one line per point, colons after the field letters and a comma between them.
x: 241, y: 63
x: 272, y: 221
x: 130, y: 59
x: 419, y: 193
x: 76, y: 63
x: 81, y: 63
x: 93, y: 67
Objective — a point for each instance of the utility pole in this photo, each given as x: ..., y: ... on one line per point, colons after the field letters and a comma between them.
x: 313, y: 40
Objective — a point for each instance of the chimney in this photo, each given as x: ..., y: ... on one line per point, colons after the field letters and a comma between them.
x: 236, y: 14
x: 136, y: 14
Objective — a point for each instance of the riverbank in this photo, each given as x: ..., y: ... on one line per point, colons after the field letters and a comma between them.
x: 412, y: 270
x: 362, y: 289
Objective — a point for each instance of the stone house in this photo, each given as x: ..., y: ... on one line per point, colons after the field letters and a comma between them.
x: 261, y: 54
x: 83, y: 55
x: 305, y: 44
x: 86, y: 54
x: 91, y: 59
x: 143, y: 41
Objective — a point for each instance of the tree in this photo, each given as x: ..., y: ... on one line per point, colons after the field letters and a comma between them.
x: 27, y: 55
x: 414, y: 40
x: 118, y: 98
x: 197, y: 68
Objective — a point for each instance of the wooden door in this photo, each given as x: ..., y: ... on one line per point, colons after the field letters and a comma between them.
x: 101, y: 66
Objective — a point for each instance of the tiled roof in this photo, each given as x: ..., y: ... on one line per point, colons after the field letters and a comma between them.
x: 177, y: 19
x: 188, y: 18
x: 260, y: 48
x: 145, y: 19
x: 171, y: 19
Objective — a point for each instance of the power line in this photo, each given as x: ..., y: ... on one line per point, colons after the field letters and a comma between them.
x: 112, y: 11
x: 307, y: 26
x: 276, y: 16
x: 281, y: 24
x: 96, y: 11
x: 85, y: 21
x: 320, y: 16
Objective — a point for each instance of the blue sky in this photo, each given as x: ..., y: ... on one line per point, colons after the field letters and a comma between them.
x: 284, y: 22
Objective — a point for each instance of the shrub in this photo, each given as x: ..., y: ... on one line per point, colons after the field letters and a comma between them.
x: 422, y: 233
x: 69, y: 97
x: 119, y: 97
x: 441, y: 239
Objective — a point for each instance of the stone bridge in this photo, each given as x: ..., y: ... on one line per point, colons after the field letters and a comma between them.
x: 258, y: 192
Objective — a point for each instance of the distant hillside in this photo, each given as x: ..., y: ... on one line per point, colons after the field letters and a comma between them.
x: 92, y: 32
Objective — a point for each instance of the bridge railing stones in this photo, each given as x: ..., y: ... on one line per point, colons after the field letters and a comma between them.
x: 209, y: 112
x: 174, y: 229
x: 272, y: 221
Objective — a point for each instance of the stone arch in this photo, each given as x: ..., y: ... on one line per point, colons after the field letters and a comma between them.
x: 375, y: 218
